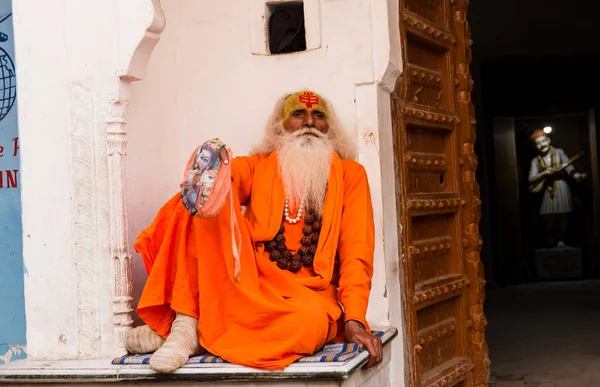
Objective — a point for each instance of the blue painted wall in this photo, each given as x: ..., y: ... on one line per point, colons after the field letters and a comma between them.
x: 12, y: 300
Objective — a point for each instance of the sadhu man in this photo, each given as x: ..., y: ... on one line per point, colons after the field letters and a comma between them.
x: 265, y: 286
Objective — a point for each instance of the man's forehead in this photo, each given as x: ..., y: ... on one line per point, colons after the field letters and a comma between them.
x: 304, y: 100
x: 303, y: 109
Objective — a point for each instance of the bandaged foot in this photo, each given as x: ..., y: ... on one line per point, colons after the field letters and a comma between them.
x: 143, y: 339
x: 179, y: 346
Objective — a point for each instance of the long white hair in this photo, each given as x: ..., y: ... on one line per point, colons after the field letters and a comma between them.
x: 342, y: 143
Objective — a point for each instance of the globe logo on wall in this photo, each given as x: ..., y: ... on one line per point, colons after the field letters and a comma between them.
x: 8, y: 85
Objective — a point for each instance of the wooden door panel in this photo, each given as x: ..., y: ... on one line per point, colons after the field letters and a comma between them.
x: 428, y: 9
x: 453, y: 373
x: 427, y: 160
x: 438, y: 197
x: 431, y: 249
x: 428, y: 75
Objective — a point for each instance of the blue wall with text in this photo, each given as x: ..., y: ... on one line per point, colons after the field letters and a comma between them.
x: 12, y: 299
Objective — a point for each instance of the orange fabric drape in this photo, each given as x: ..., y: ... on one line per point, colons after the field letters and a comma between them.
x: 270, y: 317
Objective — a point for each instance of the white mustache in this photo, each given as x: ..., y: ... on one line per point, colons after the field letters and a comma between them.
x: 308, y: 130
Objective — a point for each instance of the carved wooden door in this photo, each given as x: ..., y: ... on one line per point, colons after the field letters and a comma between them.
x: 438, y: 197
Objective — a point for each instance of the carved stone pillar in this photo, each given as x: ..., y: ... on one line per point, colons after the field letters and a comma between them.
x: 119, y: 244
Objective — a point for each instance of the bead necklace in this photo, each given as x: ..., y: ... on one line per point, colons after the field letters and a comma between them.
x: 286, y: 211
x: 278, y: 251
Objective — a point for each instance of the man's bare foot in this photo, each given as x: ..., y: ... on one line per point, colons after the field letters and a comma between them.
x: 179, y: 346
x: 143, y: 339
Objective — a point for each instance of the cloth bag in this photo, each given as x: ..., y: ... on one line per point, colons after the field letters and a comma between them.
x: 206, y: 186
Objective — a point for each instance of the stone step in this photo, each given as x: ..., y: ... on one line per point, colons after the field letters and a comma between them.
x: 102, y: 371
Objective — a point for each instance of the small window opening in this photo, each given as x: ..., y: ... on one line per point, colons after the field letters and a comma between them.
x: 286, y: 27
x: 442, y: 179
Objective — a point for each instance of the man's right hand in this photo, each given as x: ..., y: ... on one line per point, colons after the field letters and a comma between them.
x: 224, y: 155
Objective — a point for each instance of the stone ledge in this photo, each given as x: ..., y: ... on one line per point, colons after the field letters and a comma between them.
x: 102, y: 371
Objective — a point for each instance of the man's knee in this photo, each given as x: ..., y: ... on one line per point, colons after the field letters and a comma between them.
x: 313, y: 326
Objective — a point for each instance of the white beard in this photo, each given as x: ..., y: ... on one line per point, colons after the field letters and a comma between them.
x: 304, y: 164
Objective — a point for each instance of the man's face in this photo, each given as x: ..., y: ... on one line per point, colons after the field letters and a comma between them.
x: 303, y: 118
x: 542, y: 144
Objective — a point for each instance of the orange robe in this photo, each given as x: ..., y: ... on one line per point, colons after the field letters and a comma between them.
x: 270, y: 317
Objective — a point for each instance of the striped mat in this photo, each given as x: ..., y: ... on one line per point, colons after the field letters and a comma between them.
x: 332, y: 352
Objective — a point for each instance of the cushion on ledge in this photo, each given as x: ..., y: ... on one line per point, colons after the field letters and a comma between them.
x: 332, y: 352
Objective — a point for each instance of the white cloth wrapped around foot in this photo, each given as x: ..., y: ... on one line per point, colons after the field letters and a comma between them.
x: 143, y: 339
x: 179, y: 346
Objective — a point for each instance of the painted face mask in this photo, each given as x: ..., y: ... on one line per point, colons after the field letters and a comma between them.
x: 206, y: 180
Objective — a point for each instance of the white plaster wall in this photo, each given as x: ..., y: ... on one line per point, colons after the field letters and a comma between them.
x: 203, y: 81
x: 52, y: 143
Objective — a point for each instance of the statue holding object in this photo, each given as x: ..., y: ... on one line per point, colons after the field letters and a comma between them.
x: 547, y: 173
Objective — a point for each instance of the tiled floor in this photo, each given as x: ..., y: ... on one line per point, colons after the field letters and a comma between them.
x: 545, y: 334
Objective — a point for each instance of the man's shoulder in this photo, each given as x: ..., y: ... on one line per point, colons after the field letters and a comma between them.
x: 353, y: 170
x: 352, y: 165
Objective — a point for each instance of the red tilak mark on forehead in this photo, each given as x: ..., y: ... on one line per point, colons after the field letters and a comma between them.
x: 308, y: 99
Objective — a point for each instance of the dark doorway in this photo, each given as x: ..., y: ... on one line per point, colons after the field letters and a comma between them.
x: 534, y: 66
x: 533, y: 93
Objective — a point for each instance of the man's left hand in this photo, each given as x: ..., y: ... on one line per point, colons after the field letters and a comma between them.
x: 224, y: 155
x: 355, y: 332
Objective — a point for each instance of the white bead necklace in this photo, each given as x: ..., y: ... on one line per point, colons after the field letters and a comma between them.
x: 286, y: 211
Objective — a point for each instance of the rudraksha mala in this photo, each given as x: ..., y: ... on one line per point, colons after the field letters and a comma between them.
x: 279, y: 252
